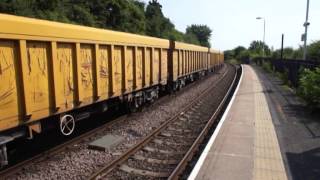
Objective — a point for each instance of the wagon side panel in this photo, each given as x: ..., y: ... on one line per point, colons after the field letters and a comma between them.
x: 9, y: 112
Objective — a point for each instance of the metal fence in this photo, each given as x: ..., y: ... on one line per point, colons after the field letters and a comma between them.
x: 292, y: 67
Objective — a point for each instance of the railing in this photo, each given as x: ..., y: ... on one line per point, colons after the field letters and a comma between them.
x: 292, y: 67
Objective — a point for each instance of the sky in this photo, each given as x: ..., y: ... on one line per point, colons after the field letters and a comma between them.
x: 234, y: 22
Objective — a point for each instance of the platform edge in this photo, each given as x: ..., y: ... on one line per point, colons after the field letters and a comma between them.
x: 204, y: 154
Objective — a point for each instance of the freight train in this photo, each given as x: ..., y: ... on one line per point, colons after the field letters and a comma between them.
x: 55, y: 74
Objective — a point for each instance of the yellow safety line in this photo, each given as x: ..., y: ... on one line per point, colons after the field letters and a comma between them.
x: 268, y: 163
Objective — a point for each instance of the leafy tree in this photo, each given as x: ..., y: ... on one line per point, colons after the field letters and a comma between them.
x: 154, y: 18
x: 298, y: 53
x: 314, y: 51
x: 191, y: 38
x: 157, y: 25
x: 228, y: 54
x: 122, y: 15
x: 244, y: 55
x: 238, y: 51
x: 81, y: 15
x: 202, y: 32
x: 288, y: 53
x: 276, y: 54
x: 257, y: 47
x: 177, y: 36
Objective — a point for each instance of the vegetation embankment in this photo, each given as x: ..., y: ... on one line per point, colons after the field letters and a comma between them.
x: 308, y: 79
x: 309, y: 88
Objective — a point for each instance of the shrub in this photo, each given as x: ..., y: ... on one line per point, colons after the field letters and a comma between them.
x: 267, y: 66
x: 233, y: 61
x: 284, y: 77
x: 309, y: 87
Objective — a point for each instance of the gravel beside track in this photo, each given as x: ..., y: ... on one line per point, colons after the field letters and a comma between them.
x: 198, y: 114
x: 79, y: 162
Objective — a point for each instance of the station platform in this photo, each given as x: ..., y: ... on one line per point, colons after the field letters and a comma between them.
x: 245, y: 145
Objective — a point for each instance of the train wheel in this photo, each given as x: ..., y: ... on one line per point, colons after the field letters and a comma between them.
x: 133, y: 106
x: 3, y: 156
x: 67, y: 124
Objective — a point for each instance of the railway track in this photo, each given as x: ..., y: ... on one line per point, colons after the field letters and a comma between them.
x: 66, y: 145
x: 165, y: 152
x: 57, y: 149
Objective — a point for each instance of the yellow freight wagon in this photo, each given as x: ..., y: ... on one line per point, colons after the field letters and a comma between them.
x: 55, y: 70
x: 49, y: 68
x: 186, y: 63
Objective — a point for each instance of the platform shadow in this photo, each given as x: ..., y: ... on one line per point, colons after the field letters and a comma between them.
x: 305, y: 165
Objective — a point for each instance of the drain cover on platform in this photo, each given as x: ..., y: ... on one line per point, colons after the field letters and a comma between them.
x: 105, y: 142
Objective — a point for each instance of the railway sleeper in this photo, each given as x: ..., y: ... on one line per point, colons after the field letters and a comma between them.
x: 179, y: 130
x: 157, y: 155
x: 157, y: 161
x: 161, y: 142
x: 180, y: 134
x: 182, y: 118
x: 166, y: 134
x: 183, y: 125
x: 155, y: 150
x: 194, y: 108
x: 156, y: 167
x: 188, y: 119
x: 192, y: 121
x: 192, y: 113
x: 143, y: 172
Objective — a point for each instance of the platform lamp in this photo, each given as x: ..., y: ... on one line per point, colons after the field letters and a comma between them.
x: 264, y: 32
x: 304, y: 36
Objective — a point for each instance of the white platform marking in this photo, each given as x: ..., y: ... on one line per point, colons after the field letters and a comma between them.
x: 205, y: 152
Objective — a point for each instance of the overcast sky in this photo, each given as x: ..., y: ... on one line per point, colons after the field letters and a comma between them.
x: 234, y: 21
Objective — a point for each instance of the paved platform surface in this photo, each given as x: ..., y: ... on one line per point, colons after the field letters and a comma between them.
x: 297, y: 129
x: 246, y: 146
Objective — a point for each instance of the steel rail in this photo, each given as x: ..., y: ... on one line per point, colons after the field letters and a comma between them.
x: 115, y: 163
x: 57, y: 149
x: 194, y: 148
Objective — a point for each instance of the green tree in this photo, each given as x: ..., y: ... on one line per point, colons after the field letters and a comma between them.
x: 157, y: 25
x: 177, y: 36
x: 191, y: 38
x: 288, y: 53
x: 228, y: 54
x: 257, y: 47
x: 81, y: 15
x: 238, y: 51
x: 121, y: 15
x: 154, y: 18
x: 202, y: 32
x: 298, y: 53
x: 244, y: 55
x: 314, y: 51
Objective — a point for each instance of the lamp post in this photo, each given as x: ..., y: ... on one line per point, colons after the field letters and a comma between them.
x: 264, y: 32
x: 304, y: 36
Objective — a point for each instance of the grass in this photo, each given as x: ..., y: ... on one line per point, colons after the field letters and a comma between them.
x: 267, y: 67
